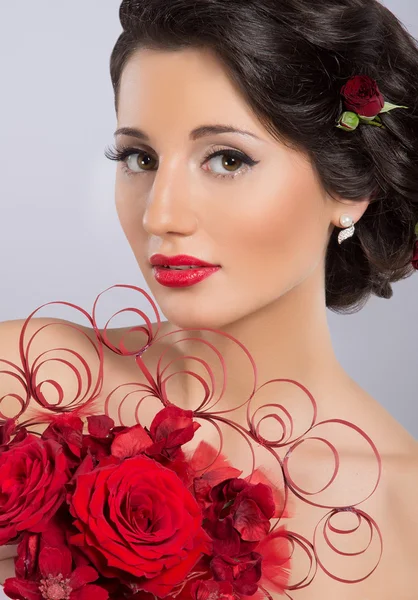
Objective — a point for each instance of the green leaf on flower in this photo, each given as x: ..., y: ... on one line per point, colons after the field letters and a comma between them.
x: 388, y: 106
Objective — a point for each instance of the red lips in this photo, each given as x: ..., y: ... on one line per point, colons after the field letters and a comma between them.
x: 181, y: 278
x: 178, y: 261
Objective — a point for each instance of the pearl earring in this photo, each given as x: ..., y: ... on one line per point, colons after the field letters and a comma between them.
x: 347, y: 222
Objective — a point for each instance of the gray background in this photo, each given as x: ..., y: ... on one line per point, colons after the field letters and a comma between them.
x: 59, y: 234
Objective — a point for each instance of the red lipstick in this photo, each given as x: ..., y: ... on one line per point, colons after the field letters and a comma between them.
x: 166, y: 273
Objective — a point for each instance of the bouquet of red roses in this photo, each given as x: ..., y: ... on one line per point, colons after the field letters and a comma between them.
x: 124, y: 512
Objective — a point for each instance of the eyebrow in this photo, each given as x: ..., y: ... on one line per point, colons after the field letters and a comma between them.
x: 198, y: 132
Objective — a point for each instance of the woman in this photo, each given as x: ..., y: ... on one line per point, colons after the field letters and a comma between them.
x: 235, y: 149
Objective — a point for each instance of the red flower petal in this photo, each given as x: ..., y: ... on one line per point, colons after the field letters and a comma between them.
x: 99, y: 426
x: 67, y: 430
x: 89, y: 592
x: 259, y: 476
x: 250, y: 521
x: 171, y: 428
x: 169, y: 419
x: 6, y: 431
x: 243, y: 574
x: 226, y: 539
x: 262, y: 495
x: 82, y: 575
x: 163, y: 584
x: 212, y: 590
x: 53, y: 561
x: 130, y: 443
x: 21, y: 589
x: 85, y: 466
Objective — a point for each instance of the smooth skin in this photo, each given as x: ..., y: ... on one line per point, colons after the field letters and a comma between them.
x: 267, y: 224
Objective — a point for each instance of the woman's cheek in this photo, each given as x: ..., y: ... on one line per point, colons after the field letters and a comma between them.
x: 130, y: 210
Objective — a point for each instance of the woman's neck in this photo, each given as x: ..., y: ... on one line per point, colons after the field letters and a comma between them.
x: 289, y: 338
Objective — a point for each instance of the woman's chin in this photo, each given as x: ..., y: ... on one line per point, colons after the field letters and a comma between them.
x: 197, y: 318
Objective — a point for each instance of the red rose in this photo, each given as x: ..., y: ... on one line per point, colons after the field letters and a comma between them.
x: 32, y: 478
x: 137, y: 520
x: 415, y: 256
x: 362, y: 96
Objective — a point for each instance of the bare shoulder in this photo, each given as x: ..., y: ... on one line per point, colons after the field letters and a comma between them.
x: 395, y: 510
x: 64, y: 353
x: 41, y: 335
x: 401, y: 474
x: 397, y: 502
x: 48, y: 346
x: 51, y: 328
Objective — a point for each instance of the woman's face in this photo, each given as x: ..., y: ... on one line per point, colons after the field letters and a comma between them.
x: 261, y: 215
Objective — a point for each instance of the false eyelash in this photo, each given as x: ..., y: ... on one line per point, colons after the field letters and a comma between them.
x: 113, y: 153
x: 120, y: 155
x: 231, y: 154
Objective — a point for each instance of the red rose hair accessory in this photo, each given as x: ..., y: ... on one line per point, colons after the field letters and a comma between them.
x: 415, y: 253
x: 363, y: 102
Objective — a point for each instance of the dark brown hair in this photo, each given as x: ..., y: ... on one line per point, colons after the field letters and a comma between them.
x: 290, y: 59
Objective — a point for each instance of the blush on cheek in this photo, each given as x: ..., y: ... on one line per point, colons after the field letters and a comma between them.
x: 279, y: 228
x: 130, y: 214
x: 277, y: 236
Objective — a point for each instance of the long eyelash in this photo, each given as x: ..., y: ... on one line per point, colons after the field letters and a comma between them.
x: 231, y: 154
x: 113, y: 153
x: 120, y: 155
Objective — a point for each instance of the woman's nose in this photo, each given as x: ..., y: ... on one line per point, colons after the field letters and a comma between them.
x: 169, y: 207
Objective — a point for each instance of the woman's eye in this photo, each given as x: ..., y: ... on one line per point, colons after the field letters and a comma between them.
x: 229, y: 163
x: 140, y: 161
x: 133, y: 161
x: 224, y: 162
